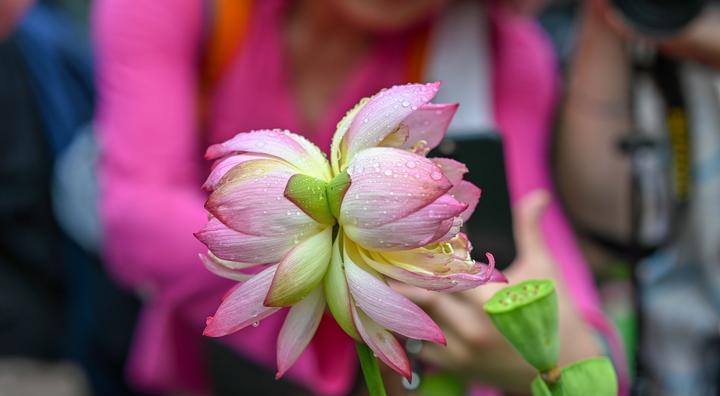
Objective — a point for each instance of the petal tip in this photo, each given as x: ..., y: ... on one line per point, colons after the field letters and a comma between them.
x: 280, y: 373
x: 210, y: 330
x: 498, y: 277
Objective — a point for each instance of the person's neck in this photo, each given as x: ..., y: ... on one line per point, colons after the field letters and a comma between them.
x: 315, y: 26
x: 322, y: 50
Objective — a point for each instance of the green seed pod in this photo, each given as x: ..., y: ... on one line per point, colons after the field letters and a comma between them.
x: 526, y: 314
x: 589, y: 377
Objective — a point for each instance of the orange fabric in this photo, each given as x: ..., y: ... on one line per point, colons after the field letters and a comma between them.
x: 418, y: 56
x: 228, y: 27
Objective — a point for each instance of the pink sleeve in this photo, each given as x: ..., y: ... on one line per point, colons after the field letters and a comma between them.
x: 151, y: 202
x: 150, y: 166
x: 525, y: 88
x: 150, y: 173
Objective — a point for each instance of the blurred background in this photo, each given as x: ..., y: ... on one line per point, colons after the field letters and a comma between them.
x: 106, y: 106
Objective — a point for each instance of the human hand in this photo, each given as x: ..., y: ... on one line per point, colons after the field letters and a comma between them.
x: 475, y: 349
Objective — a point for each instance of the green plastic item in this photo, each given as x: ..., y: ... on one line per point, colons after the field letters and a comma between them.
x: 589, y: 377
x: 526, y: 314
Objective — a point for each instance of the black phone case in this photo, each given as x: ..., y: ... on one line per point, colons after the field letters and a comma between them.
x: 490, y: 229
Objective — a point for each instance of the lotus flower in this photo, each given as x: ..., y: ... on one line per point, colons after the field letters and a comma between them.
x: 333, y: 232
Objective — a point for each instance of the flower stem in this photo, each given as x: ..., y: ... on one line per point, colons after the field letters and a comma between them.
x: 371, y: 370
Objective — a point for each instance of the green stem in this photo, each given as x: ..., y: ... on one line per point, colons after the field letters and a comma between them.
x: 371, y: 370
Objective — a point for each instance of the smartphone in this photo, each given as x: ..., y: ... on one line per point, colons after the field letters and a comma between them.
x: 490, y: 229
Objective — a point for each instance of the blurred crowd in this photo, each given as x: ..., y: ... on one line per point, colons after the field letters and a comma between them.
x: 609, y: 117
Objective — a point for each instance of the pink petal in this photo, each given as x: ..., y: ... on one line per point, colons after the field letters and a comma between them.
x: 388, y: 184
x: 229, y: 244
x: 462, y: 190
x: 383, y: 113
x: 418, y: 229
x: 468, y: 193
x: 453, y: 170
x: 251, y: 200
x: 242, y: 306
x: 429, y: 124
x: 299, y: 328
x: 285, y: 145
x: 385, y: 306
x: 382, y: 343
x: 448, y: 229
x: 220, y: 270
x: 223, y: 166
x: 450, y: 282
x: 487, y: 271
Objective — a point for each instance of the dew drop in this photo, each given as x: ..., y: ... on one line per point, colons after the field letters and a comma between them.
x: 414, y: 382
x: 405, y: 103
x: 388, y: 172
x: 436, y: 175
x: 255, y: 324
x: 411, y: 164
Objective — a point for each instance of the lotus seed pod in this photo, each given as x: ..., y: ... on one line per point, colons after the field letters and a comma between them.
x: 589, y: 377
x: 526, y: 314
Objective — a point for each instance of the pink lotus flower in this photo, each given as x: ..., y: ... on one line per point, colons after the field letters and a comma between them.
x: 332, y: 233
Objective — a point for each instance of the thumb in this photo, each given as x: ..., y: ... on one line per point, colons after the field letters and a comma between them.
x: 527, y: 219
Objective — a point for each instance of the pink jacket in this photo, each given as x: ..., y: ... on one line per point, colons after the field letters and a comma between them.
x: 152, y: 169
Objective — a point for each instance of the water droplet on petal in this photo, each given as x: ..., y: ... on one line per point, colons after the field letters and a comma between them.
x: 436, y: 175
x: 255, y: 324
x: 410, y: 164
x: 414, y: 382
x: 405, y: 103
x: 388, y: 172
